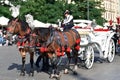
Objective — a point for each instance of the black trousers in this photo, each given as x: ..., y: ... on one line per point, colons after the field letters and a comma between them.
x: 67, y: 27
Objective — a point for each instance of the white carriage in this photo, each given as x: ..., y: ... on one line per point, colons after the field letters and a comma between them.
x: 92, y: 37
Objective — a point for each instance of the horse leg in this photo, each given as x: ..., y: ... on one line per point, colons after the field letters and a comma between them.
x: 23, y: 62
x: 45, y: 66
x: 76, y: 61
x: 37, y: 61
x: 53, y: 59
x: 54, y: 65
x: 31, y: 63
x: 52, y: 68
x: 67, y: 64
x: 57, y: 72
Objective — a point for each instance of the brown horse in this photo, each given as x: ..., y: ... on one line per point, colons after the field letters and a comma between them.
x: 22, y: 30
x: 55, y: 43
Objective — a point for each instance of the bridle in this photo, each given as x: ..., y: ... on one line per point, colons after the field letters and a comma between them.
x: 14, y: 25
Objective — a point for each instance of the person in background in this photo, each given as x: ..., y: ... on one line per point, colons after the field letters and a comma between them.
x: 68, y: 21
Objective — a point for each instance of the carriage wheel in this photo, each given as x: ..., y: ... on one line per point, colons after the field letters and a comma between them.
x: 111, y: 51
x: 89, y: 57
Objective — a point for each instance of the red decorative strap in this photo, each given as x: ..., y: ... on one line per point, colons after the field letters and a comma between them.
x: 101, y: 29
x: 77, y: 47
x: 78, y: 41
x: 68, y: 50
x: 18, y: 43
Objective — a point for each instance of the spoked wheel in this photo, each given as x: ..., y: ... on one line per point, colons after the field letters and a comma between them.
x: 111, y: 51
x: 89, y: 57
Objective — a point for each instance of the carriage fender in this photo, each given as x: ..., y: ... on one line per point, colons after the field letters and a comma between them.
x: 107, y: 44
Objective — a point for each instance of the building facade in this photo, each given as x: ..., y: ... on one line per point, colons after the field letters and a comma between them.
x: 112, y: 8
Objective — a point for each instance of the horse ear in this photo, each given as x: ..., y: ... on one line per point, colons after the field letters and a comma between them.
x: 16, y: 19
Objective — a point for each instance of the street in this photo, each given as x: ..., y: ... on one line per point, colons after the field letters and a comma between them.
x: 10, y: 65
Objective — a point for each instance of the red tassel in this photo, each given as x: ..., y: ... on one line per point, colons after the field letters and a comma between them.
x: 46, y: 49
x: 77, y: 41
x: 42, y: 49
x: 77, y: 47
x: 68, y: 50
x: 58, y: 50
x: 58, y: 54
x: 62, y: 54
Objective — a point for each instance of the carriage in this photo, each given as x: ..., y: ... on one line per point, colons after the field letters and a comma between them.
x: 92, y: 39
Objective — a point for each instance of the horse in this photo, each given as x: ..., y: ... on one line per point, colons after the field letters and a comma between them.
x: 55, y: 43
x: 23, y: 31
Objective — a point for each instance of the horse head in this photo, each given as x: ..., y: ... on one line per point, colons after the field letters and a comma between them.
x: 12, y: 25
x: 17, y: 26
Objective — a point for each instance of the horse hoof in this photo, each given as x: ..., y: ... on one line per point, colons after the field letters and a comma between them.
x: 38, y: 70
x: 66, y: 71
x: 22, y: 74
x: 57, y: 76
x: 31, y: 74
x: 51, y: 76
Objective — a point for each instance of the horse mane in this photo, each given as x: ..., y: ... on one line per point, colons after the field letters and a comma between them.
x: 43, y: 33
x: 24, y: 24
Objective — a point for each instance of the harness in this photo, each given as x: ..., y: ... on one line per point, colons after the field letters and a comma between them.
x: 61, y: 39
x: 24, y: 41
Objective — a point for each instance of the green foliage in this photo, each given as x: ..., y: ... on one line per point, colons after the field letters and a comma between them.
x: 51, y: 10
x: 33, y: 7
x: 4, y: 11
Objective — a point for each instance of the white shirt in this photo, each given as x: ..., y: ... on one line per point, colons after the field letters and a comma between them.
x: 67, y: 19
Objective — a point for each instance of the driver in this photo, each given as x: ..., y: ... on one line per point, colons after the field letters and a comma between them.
x: 68, y: 20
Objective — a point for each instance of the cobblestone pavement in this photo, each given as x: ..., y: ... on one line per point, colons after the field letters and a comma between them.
x: 10, y: 64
